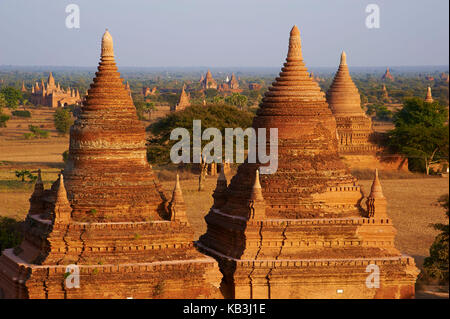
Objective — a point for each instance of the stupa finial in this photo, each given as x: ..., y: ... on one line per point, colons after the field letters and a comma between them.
x: 343, y: 58
x: 107, y: 45
x: 295, y: 45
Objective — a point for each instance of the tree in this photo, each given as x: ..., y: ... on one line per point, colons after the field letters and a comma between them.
x: 421, y: 132
x: 12, y: 96
x: 237, y: 99
x: 143, y: 107
x: 3, y: 119
x: 3, y: 102
x: 63, y: 120
x: 22, y: 174
x: 437, y: 264
x: 218, y: 116
x: 210, y: 93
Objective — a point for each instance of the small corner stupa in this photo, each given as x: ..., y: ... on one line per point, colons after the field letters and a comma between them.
x: 107, y: 215
x: 429, y: 97
x: 301, y: 232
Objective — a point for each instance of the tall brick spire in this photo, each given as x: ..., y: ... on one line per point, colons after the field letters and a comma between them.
x: 269, y: 230
x: 107, y: 169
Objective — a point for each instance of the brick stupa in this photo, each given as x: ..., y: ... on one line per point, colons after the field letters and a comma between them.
x: 356, y: 138
x: 108, y: 215
x: 301, y: 232
x: 429, y: 97
x: 208, y: 82
x: 354, y: 128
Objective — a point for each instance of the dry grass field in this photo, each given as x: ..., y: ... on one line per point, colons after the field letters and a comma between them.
x: 411, y: 201
x: 15, y: 148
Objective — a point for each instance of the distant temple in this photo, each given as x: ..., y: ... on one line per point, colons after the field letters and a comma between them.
x: 208, y: 82
x: 354, y: 128
x: 429, y: 97
x: 231, y: 86
x: 184, y: 101
x: 387, y: 76
x: 147, y: 92
x: 52, y: 94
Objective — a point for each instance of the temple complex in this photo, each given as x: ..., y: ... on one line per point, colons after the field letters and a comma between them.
x: 429, y: 98
x: 184, y: 100
x: 146, y: 91
x: 208, y: 82
x: 357, y: 140
x: 301, y: 232
x: 387, y: 76
x: 107, y: 215
x: 52, y: 95
x: 230, y: 86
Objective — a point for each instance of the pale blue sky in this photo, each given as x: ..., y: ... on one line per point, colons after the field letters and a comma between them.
x: 228, y: 33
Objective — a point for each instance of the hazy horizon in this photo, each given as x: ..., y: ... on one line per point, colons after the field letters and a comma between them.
x: 224, y: 34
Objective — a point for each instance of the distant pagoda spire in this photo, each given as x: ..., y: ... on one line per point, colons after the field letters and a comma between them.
x: 51, y: 80
x: 343, y: 95
x: 387, y: 75
x: 429, y: 97
x: 24, y: 89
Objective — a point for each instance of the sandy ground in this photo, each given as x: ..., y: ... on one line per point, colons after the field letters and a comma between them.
x: 14, y: 147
